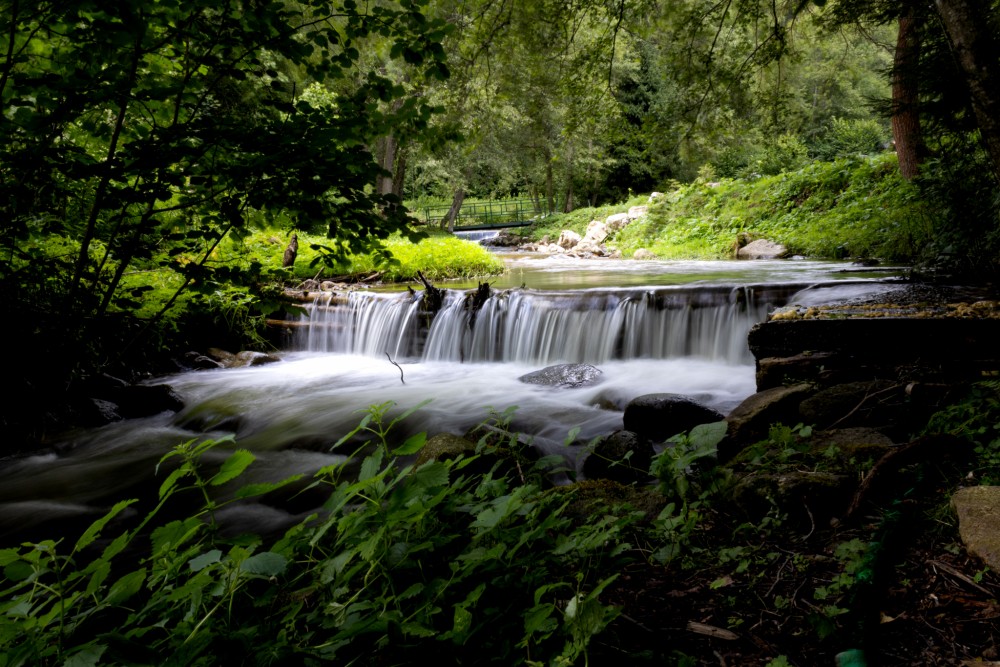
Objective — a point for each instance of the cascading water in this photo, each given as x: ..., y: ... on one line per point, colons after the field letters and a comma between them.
x: 525, y: 326
x: 686, y: 338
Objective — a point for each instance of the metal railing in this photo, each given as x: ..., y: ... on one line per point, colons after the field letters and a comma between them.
x: 491, y: 214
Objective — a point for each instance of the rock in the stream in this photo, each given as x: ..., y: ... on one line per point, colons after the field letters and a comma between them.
x: 659, y: 416
x: 622, y: 457
x: 146, y: 400
x: 565, y: 376
x: 978, y: 510
x: 762, y: 249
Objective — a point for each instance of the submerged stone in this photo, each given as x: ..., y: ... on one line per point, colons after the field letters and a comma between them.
x: 566, y: 376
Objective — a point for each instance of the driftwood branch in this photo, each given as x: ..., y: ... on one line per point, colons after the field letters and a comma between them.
x: 397, y: 366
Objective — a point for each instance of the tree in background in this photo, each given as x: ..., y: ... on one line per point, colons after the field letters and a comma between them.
x: 137, y: 136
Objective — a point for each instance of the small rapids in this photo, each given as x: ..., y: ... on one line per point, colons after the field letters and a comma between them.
x: 526, y: 326
x: 460, y: 364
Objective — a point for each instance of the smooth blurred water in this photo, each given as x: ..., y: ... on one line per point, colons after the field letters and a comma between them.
x: 687, y: 340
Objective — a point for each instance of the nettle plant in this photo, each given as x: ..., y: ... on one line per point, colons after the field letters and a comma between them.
x: 402, y: 559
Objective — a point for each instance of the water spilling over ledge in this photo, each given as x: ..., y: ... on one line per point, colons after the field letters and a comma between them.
x: 528, y: 326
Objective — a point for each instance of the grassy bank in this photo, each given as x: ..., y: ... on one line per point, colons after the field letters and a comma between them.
x: 440, y: 256
x: 852, y: 207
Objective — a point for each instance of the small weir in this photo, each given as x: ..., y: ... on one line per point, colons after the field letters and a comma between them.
x: 527, y: 326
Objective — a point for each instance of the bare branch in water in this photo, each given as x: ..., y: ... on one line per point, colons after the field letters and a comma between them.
x: 397, y: 366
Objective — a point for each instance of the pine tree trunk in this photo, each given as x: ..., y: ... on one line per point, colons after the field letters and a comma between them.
x: 967, y: 23
x: 906, y: 131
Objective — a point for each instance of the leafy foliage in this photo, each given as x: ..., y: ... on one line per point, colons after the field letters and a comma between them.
x: 402, y: 558
x: 138, y: 137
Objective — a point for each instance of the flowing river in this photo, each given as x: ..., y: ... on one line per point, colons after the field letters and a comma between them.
x: 649, y: 326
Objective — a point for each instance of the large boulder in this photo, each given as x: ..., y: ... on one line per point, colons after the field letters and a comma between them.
x: 643, y: 253
x: 875, y: 404
x: 808, y: 498
x: 597, y: 231
x: 146, y: 400
x: 613, y: 223
x: 622, y: 457
x: 751, y: 419
x: 637, y: 212
x: 762, y: 249
x: 659, y: 416
x: 568, y: 239
x: 565, y: 376
x: 978, y: 510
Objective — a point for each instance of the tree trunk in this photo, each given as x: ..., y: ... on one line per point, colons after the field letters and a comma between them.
x: 386, y: 155
x: 906, y: 132
x: 968, y: 26
x: 448, y: 221
x: 399, y: 173
x: 549, y: 186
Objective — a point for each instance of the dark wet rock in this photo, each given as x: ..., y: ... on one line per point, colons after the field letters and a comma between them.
x: 806, y: 367
x: 622, y: 457
x: 98, y: 412
x: 751, y: 419
x: 978, y: 510
x: 564, y: 376
x: 146, y: 400
x: 251, y: 358
x: 197, y: 361
x: 809, y: 499
x: 847, y: 445
x: 660, y: 416
x: 241, y: 359
x: 878, y: 403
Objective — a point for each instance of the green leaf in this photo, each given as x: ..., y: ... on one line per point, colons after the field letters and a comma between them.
x: 199, y: 563
x: 88, y: 656
x: 94, y: 530
x: 705, y: 436
x: 260, y: 488
x: 126, y: 587
x: 266, y: 563
x: 233, y: 467
x: 412, y: 445
x: 18, y: 570
x: 174, y: 534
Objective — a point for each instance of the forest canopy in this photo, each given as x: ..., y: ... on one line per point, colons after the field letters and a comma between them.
x: 138, y: 136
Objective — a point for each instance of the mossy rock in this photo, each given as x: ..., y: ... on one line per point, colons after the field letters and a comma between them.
x: 595, y: 498
x: 623, y: 457
x: 808, y: 499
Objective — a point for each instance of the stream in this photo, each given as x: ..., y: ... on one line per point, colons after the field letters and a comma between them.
x: 649, y: 326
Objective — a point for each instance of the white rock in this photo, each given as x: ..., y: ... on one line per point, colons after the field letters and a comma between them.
x: 597, y: 231
x: 568, y: 239
x: 616, y: 222
x: 642, y: 253
x: 637, y: 212
x: 762, y: 249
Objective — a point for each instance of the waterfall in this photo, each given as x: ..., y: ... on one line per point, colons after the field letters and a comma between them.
x: 520, y: 325
x: 477, y: 235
